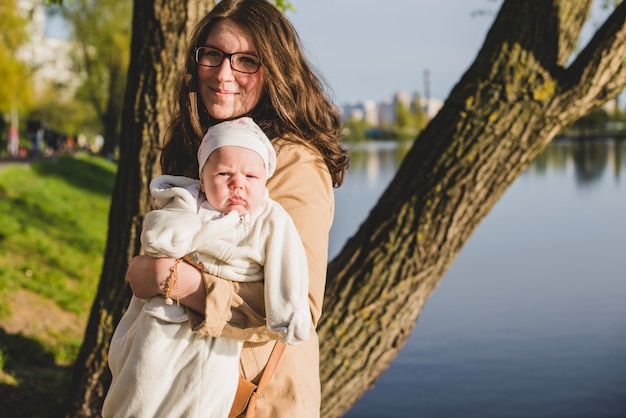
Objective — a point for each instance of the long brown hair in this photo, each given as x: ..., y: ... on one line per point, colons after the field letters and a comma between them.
x: 294, y: 104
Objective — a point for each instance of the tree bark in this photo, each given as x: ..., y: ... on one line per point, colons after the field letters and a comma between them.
x: 505, y: 110
x: 514, y: 99
x: 159, y: 32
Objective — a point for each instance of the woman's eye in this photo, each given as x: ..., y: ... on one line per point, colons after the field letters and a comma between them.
x: 249, y: 60
x: 212, y: 54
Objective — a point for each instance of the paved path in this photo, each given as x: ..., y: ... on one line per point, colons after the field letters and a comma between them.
x: 7, y: 161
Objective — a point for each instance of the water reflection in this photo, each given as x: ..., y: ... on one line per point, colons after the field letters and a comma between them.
x: 374, y: 160
x: 587, y: 160
x: 374, y: 165
x: 529, y: 320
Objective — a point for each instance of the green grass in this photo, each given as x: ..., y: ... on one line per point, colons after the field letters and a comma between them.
x: 53, y: 223
x: 52, y: 238
x: 53, y: 229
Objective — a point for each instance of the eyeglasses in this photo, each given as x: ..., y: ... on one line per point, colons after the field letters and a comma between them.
x: 239, y: 61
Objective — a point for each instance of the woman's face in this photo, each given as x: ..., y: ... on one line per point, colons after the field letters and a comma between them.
x: 226, y: 93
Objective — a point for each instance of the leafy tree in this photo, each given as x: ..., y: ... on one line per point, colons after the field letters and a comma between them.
x: 354, y: 129
x: 403, y: 120
x: 419, y: 118
x: 284, y: 5
x: 15, y: 89
x: 101, y: 31
x: 518, y: 94
x: 402, y: 117
x: 408, y: 121
x: 69, y: 116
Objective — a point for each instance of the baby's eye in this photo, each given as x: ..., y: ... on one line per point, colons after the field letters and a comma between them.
x: 223, y: 173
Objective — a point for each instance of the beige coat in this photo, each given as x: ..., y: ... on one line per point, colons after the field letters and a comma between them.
x: 303, y: 186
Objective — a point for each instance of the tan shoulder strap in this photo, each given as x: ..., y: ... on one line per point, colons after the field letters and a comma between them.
x: 247, y: 392
x: 272, y: 362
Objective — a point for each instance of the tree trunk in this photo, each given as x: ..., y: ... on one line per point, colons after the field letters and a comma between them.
x: 506, y: 109
x: 160, y: 30
x: 114, y: 105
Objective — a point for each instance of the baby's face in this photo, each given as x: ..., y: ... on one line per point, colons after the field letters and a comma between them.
x: 233, y: 178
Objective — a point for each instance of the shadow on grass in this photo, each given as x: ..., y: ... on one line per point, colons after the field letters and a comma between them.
x: 78, y: 172
x: 41, y: 383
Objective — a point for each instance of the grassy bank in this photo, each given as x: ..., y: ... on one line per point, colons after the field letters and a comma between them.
x: 52, y: 238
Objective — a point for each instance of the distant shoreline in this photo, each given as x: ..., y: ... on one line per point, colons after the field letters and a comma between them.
x: 590, y: 135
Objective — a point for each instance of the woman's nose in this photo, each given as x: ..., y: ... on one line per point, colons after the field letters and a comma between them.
x: 224, y: 71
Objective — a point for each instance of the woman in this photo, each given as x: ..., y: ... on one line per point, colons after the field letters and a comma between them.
x: 245, y: 59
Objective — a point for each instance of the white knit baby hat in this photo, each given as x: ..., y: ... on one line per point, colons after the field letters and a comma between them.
x: 242, y: 132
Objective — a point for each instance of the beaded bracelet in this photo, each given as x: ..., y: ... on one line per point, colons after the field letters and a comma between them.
x: 171, y: 283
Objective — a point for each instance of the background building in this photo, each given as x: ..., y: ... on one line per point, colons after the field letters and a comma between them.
x: 49, y: 58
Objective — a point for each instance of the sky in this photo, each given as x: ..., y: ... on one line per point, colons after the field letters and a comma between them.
x: 370, y: 49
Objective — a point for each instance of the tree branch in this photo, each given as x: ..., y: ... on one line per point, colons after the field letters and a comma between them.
x: 599, y: 72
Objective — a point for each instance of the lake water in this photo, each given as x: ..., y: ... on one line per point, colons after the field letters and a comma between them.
x: 530, y: 320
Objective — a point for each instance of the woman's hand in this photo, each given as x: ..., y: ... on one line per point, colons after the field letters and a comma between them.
x: 147, y: 277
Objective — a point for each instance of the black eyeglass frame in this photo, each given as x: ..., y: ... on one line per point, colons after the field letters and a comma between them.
x: 198, y: 48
